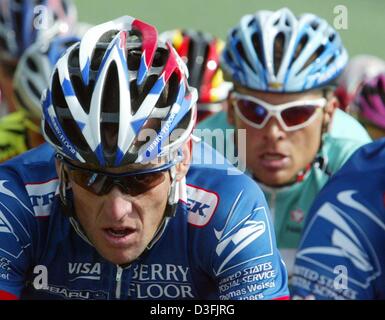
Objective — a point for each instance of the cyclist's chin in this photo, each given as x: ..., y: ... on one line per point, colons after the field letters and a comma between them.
x: 275, y: 178
x: 122, y: 250
x: 122, y: 256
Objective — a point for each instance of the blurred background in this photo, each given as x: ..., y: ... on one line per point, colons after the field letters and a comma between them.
x: 365, y: 31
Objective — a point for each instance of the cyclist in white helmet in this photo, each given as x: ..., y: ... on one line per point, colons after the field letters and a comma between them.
x: 283, y: 68
x: 20, y: 130
x: 359, y: 69
x: 22, y: 23
x: 118, y: 187
x: 369, y: 103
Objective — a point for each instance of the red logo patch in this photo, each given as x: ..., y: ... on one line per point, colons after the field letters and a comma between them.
x: 297, y: 215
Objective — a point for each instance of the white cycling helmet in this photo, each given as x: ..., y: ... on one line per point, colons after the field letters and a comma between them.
x: 34, y: 70
x: 109, y: 88
x: 278, y: 52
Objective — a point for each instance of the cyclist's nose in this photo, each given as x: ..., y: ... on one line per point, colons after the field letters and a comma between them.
x: 118, y: 204
x: 273, y: 130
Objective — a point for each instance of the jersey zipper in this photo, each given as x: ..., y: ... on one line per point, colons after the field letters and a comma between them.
x: 119, y: 272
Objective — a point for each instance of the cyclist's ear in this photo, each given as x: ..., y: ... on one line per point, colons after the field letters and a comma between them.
x: 59, y: 167
x: 182, y: 167
x: 329, y: 110
x: 61, y: 172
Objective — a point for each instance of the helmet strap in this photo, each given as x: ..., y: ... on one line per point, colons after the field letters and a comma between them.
x: 66, y: 203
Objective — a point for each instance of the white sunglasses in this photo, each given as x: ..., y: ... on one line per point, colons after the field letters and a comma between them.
x: 291, y: 116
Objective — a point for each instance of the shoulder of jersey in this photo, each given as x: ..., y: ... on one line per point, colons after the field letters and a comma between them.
x: 368, y: 159
x: 33, y: 165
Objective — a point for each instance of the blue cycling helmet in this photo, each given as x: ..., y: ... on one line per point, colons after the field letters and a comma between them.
x: 34, y: 70
x: 23, y: 22
x: 278, y: 52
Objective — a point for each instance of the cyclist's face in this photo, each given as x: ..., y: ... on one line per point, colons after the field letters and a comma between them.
x: 273, y: 155
x: 7, y: 71
x: 120, y: 225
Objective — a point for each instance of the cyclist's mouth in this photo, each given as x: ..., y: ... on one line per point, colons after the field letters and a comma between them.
x: 274, y: 161
x: 119, y: 236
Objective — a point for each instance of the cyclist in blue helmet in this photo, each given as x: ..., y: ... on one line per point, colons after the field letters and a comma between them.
x: 283, y: 68
x: 119, y: 189
x: 22, y: 23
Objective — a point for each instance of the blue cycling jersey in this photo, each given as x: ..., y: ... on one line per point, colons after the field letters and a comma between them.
x: 219, y: 245
x: 341, y: 255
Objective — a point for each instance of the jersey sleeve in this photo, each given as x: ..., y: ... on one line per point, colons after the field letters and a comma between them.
x: 246, y: 263
x: 16, y: 225
x: 337, y: 256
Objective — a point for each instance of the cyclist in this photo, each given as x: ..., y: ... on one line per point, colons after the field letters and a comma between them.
x: 114, y: 207
x: 201, y: 51
x: 341, y: 254
x: 358, y: 69
x: 20, y: 130
x: 370, y: 105
x: 283, y: 68
x: 23, y: 22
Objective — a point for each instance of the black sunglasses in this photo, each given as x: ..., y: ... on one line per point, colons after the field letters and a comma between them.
x: 132, y: 183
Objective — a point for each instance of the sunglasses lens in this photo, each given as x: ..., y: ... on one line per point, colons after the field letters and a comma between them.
x: 141, y: 183
x: 92, y: 182
x: 297, y: 115
x: 252, y: 111
x: 101, y: 184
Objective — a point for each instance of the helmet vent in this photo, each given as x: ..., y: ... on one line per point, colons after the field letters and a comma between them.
x: 83, y: 93
x: 111, y: 94
x: 312, y: 58
x: 279, y: 43
x: 257, y: 47
x: 380, y: 88
x: 64, y: 115
x: 301, y: 45
x: 97, y: 58
x: 134, y: 92
x: 73, y: 59
x: 57, y: 92
x: 72, y: 130
x: 365, y: 93
x: 160, y: 58
x: 314, y: 25
x: 133, y: 59
x: 242, y: 53
x: 33, y: 88
x: 32, y: 65
x: 330, y: 61
x: 170, y: 94
x: 139, y: 93
x: 107, y: 37
x: 109, y: 128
